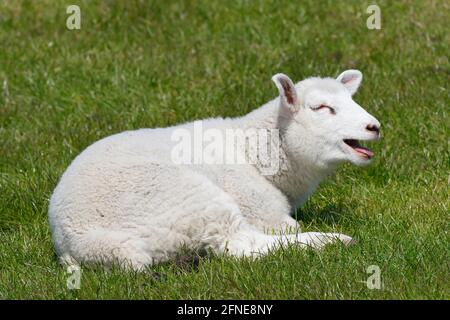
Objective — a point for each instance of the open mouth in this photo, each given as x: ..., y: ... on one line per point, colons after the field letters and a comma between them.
x: 362, y: 151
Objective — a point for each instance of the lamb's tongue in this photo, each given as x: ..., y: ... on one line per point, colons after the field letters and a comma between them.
x: 367, y: 152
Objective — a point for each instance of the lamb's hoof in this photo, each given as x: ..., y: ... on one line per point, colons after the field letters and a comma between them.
x: 157, y: 276
x: 187, y: 262
x: 347, y: 241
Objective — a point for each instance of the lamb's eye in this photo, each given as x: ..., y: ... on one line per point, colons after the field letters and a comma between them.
x: 322, y: 106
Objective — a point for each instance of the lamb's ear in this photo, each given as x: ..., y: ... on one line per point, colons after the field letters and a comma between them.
x: 351, y: 79
x: 287, y: 91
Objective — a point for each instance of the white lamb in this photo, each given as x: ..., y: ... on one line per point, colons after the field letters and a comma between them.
x: 124, y: 199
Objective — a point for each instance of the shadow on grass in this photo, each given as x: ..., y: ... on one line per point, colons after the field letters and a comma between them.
x: 330, y: 214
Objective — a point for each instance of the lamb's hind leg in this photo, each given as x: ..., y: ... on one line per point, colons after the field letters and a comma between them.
x: 110, y: 247
x: 253, y: 243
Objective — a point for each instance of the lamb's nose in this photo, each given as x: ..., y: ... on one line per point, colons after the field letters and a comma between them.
x: 374, y: 128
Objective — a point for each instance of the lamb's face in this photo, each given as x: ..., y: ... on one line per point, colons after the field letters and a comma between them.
x: 327, y: 124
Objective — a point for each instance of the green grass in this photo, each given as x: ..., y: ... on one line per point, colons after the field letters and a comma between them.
x: 135, y: 64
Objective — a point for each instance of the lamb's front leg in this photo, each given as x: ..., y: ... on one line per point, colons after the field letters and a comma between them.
x: 288, y: 228
x: 319, y: 239
x: 253, y: 243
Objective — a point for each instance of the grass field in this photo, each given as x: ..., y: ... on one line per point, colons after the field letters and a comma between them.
x: 134, y: 64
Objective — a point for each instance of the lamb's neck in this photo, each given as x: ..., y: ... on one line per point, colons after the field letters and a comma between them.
x: 297, y: 177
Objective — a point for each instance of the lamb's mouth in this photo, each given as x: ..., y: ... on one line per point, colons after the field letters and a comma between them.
x: 362, y: 151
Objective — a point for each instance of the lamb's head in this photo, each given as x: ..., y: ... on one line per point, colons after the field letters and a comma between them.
x: 321, y: 123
